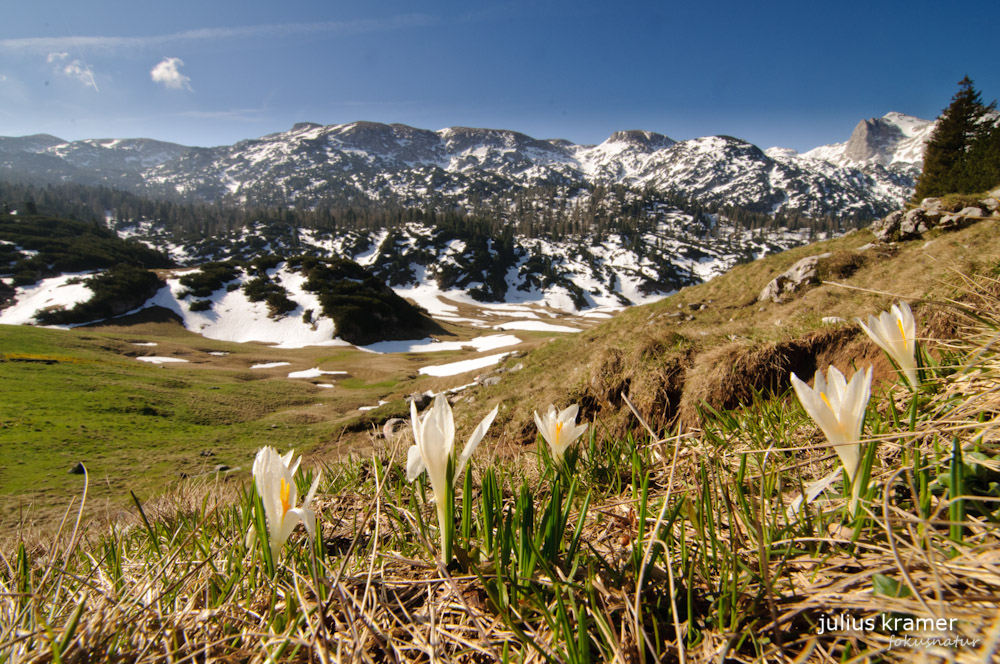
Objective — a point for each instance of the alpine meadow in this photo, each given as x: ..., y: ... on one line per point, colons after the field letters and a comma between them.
x: 367, y: 392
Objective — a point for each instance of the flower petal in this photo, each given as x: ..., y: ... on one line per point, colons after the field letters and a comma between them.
x: 296, y: 515
x: 814, y: 490
x: 579, y: 430
x: 414, y: 463
x: 414, y: 422
x: 544, y: 428
x: 569, y: 413
x: 836, y: 388
x: 818, y: 410
x: 474, y: 440
x: 850, y: 457
x: 312, y: 490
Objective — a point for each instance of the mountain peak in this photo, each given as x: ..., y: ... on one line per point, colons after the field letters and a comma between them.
x: 872, y: 139
x: 894, y: 138
x: 641, y: 138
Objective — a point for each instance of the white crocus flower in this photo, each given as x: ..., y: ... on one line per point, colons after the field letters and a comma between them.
x: 895, y: 332
x: 274, y: 477
x: 432, y: 449
x: 559, y: 429
x: 838, y: 407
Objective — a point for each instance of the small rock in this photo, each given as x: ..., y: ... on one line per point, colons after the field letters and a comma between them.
x: 221, y: 468
x: 420, y: 399
x: 832, y: 320
x: 887, y: 228
x: 990, y: 203
x: 931, y: 204
x: 793, y: 279
x: 393, y: 427
x: 207, y: 453
x: 960, y: 219
x: 490, y: 381
x: 913, y: 224
x: 78, y: 469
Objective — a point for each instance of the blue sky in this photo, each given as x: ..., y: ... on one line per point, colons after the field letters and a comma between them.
x: 794, y: 74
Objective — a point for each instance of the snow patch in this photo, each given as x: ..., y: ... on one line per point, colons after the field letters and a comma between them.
x: 52, y: 293
x: 315, y: 373
x: 480, y: 344
x: 455, y: 368
x: 536, y: 326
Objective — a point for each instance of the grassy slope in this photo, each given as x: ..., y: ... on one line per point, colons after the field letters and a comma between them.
x: 737, y: 577
x: 663, y: 362
x: 134, y: 425
x: 141, y: 426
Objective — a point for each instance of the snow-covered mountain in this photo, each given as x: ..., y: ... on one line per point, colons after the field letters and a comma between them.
x: 113, y: 162
x: 597, y: 226
x: 892, y: 140
x: 371, y: 163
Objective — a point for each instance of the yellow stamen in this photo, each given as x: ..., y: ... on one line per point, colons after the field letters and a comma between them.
x: 899, y: 323
x: 286, y: 489
x: 559, y: 426
x: 825, y: 400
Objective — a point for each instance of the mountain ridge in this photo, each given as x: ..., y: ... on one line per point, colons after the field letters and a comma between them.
x: 370, y: 162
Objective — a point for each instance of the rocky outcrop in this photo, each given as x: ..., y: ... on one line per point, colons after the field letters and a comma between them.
x: 887, y: 228
x: 794, y: 279
x: 873, y: 139
x: 931, y: 213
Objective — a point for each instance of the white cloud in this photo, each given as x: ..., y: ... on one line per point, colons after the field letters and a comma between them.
x: 168, y: 72
x: 77, y: 69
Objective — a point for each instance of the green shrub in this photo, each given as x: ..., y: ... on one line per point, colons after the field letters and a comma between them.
x: 362, y: 307
x: 210, y: 278
x: 262, y: 289
x: 63, y: 245
x: 116, y: 291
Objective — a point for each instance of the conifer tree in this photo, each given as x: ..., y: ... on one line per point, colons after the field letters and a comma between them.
x: 946, y: 158
x: 982, y: 168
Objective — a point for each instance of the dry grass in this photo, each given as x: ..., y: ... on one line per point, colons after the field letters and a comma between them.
x: 689, y: 554
x: 679, y: 546
x: 669, y: 349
